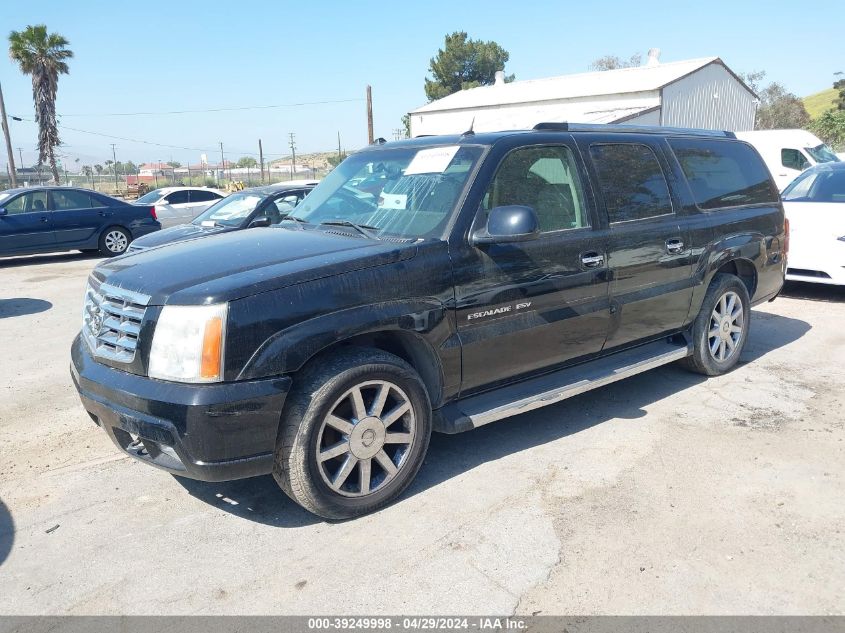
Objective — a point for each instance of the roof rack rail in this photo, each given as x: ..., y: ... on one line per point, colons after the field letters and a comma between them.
x: 622, y: 127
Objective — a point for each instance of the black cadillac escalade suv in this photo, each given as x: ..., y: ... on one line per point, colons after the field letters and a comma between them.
x: 439, y: 283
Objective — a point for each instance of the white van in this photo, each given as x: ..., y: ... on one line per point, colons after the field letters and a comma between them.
x: 788, y: 152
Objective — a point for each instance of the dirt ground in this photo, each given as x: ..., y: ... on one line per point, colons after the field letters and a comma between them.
x: 663, y: 494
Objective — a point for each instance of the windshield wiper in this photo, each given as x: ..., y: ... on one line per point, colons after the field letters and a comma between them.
x: 363, y: 229
x: 294, y: 218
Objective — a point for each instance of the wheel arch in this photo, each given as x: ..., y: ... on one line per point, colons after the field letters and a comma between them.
x: 413, y: 332
x: 742, y: 268
x: 115, y: 225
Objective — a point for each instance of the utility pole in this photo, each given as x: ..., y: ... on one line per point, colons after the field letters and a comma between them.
x: 293, y: 154
x: 339, y: 153
x: 10, y: 154
x: 261, y: 159
x: 370, y: 115
x: 20, y: 154
x: 222, y: 161
x: 114, y: 166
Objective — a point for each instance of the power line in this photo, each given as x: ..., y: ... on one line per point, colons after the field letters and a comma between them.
x: 232, y: 109
x: 143, y: 142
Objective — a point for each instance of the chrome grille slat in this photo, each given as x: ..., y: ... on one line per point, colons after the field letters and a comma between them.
x: 111, y: 321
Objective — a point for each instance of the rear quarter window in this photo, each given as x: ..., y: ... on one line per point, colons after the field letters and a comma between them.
x: 724, y: 174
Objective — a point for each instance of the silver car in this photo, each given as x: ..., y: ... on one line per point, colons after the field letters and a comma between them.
x: 179, y: 205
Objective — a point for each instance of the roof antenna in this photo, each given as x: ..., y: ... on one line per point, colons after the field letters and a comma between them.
x: 469, y: 132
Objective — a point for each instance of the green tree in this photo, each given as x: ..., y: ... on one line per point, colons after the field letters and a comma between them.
x: 752, y: 79
x: 43, y: 56
x: 175, y: 164
x: 612, y: 62
x: 406, y: 125
x: 839, y: 85
x: 780, y: 109
x: 830, y: 127
x: 464, y: 63
x: 109, y: 166
x: 98, y: 168
x: 247, y: 161
x: 130, y: 167
x: 89, y: 173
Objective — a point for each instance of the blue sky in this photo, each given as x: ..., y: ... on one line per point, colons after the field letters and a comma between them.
x: 186, y: 55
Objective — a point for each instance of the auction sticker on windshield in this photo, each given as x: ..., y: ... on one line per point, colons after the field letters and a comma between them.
x: 393, y: 201
x: 432, y: 161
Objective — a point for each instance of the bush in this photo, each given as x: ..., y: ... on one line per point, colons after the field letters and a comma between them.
x: 830, y: 127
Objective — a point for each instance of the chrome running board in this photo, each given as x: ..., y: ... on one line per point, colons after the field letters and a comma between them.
x: 544, y: 390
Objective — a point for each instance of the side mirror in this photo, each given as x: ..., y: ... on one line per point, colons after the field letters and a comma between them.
x: 261, y: 220
x: 3, y: 211
x: 513, y: 223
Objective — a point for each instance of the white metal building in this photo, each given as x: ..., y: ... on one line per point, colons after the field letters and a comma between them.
x: 700, y: 93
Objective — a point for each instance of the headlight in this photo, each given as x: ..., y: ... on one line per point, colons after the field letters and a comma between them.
x: 188, y: 344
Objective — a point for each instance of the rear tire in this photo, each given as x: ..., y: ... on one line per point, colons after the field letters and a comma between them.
x: 354, y: 433
x: 720, y: 331
x: 114, y: 241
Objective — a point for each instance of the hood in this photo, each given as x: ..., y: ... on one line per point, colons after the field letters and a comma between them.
x: 239, y: 264
x: 177, y: 234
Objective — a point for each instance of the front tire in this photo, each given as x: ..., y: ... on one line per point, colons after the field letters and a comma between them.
x: 721, y: 329
x: 354, y: 433
x: 114, y: 241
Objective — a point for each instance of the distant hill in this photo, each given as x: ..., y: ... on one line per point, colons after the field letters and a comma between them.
x: 820, y: 102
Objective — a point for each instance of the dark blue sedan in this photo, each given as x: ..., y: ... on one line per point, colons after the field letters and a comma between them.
x: 50, y: 219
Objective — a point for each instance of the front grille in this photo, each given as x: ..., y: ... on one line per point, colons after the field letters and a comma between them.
x: 111, y: 321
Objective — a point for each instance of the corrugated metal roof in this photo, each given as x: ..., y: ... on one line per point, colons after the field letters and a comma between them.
x: 621, y: 81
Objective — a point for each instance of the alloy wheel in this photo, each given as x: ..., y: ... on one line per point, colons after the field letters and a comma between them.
x: 116, y: 241
x: 366, y: 438
x: 726, y: 326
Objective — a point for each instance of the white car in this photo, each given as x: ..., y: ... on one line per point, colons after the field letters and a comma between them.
x: 815, y: 208
x: 179, y: 205
x: 787, y: 153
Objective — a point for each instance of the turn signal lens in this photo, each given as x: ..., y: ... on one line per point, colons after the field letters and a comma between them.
x: 212, y: 348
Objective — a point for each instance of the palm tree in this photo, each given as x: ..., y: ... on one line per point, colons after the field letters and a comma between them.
x: 42, y: 55
x: 86, y: 169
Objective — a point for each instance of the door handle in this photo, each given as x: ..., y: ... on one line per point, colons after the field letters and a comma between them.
x: 592, y: 260
x: 44, y: 218
x: 674, y: 246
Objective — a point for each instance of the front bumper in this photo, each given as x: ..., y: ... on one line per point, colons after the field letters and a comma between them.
x: 211, y: 432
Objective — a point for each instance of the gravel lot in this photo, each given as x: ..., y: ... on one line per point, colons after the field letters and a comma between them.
x: 663, y: 494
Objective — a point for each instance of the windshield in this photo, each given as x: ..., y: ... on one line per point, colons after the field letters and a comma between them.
x: 825, y: 185
x: 822, y: 154
x: 403, y: 192
x: 229, y: 211
x: 799, y: 189
x: 152, y: 196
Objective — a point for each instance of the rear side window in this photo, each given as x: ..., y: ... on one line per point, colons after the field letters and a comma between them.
x: 724, y: 173
x: 631, y: 180
x: 65, y: 200
x: 203, y: 196
x: 177, y: 197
